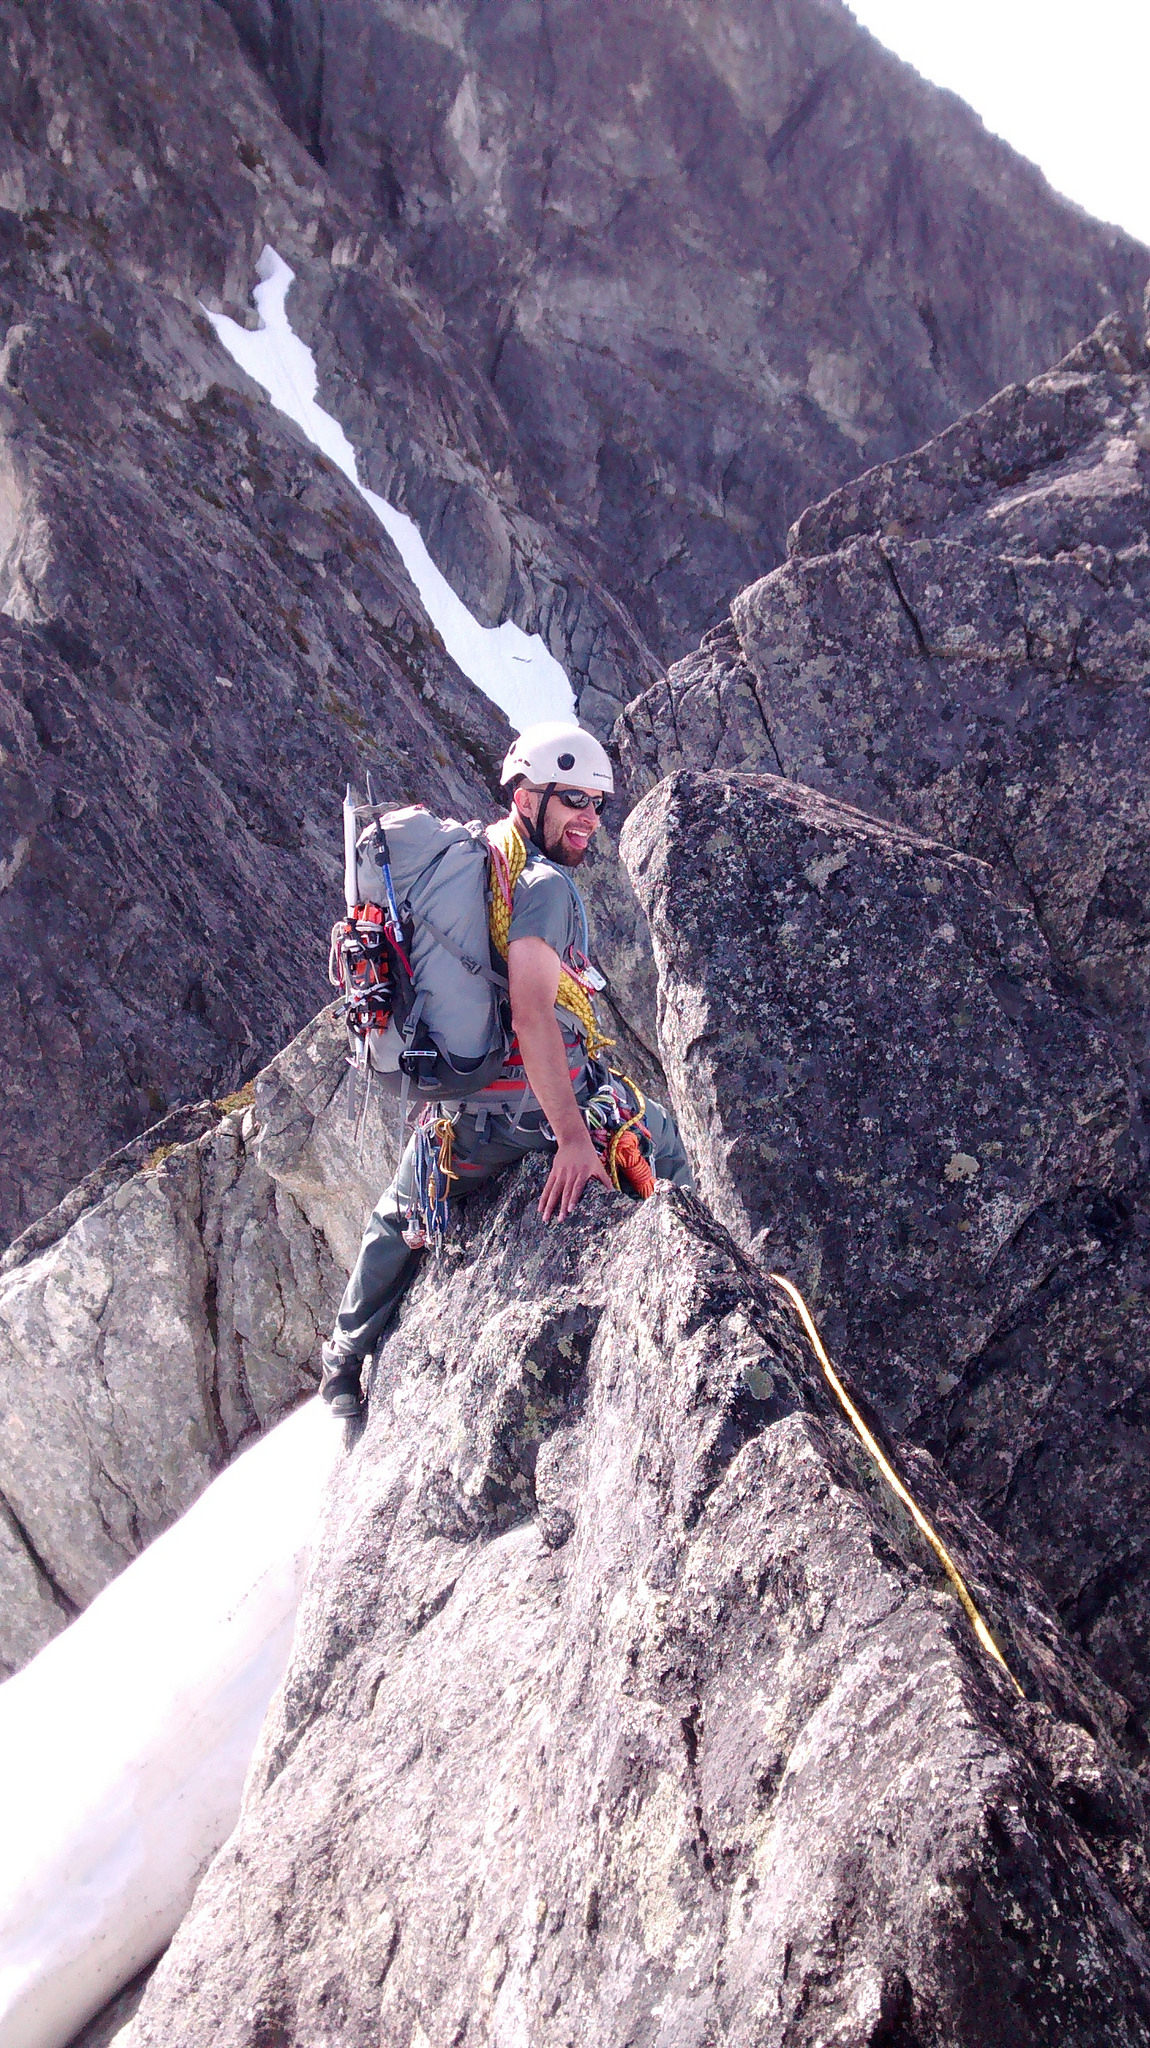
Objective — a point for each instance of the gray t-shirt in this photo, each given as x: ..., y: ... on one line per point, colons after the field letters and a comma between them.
x: 546, y: 905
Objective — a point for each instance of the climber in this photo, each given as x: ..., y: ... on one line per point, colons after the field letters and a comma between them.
x: 560, y: 779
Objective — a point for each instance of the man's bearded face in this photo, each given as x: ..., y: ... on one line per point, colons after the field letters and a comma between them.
x: 566, y: 834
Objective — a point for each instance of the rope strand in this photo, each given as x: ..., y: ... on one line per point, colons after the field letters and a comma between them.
x: 892, y: 1479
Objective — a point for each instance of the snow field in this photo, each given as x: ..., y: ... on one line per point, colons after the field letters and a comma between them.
x: 511, y: 667
x: 124, y: 1745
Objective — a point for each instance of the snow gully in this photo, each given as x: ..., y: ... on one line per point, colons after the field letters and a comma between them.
x: 511, y: 667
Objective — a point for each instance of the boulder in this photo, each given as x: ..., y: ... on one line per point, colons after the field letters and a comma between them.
x: 891, y: 1097
x: 626, y: 1706
x: 959, y: 642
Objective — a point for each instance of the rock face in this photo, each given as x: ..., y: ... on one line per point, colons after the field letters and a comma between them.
x: 182, y: 210
x: 890, y: 1099
x: 176, y: 1316
x: 713, y: 255
x: 624, y: 1708
x: 959, y: 641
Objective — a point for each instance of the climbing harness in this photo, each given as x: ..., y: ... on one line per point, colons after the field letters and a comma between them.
x: 432, y: 1173
x: 619, y: 1130
x: 508, y: 860
x: 892, y: 1479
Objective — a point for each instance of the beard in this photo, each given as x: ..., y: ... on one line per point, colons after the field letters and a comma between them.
x: 562, y: 855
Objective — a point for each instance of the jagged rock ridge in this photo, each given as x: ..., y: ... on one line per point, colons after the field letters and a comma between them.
x: 608, y: 1583
x: 713, y: 255
x: 203, y: 631
x: 959, y: 641
x: 197, y: 612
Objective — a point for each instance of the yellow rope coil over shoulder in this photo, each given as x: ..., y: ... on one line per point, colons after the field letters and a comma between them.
x: 508, y: 862
x: 892, y: 1479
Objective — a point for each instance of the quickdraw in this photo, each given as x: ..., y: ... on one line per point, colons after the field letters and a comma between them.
x: 432, y: 1172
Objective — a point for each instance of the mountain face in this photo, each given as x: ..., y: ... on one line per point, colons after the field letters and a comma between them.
x: 712, y: 255
x: 959, y: 642
x: 601, y: 318
x: 624, y: 1704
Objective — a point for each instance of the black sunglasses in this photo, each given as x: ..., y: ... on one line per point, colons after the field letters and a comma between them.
x: 578, y: 800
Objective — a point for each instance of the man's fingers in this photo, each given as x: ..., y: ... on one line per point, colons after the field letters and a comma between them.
x: 554, y: 1193
x: 564, y: 1186
x: 581, y: 1179
x: 600, y: 1174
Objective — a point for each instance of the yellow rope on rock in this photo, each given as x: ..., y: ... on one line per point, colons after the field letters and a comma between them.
x: 892, y: 1479
x: 509, y: 858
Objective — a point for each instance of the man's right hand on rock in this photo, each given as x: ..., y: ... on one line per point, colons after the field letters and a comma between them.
x: 576, y: 1162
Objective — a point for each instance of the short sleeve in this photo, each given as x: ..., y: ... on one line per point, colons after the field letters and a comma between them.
x: 542, y: 909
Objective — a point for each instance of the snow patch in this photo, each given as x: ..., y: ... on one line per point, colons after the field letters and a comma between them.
x: 124, y: 1745
x: 511, y: 667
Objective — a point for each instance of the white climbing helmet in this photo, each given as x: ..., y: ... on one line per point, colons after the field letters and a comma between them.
x: 560, y: 751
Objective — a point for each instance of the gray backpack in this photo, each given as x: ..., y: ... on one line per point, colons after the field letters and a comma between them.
x: 425, y: 1009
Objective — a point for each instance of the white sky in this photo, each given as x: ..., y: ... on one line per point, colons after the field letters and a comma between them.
x: 1067, y: 88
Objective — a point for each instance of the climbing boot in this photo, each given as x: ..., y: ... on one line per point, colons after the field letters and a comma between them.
x: 341, y: 1385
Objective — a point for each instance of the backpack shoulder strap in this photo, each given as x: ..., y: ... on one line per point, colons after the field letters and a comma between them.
x: 498, y: 981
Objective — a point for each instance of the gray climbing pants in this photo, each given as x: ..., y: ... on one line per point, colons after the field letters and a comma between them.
x: 386, y: 1264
